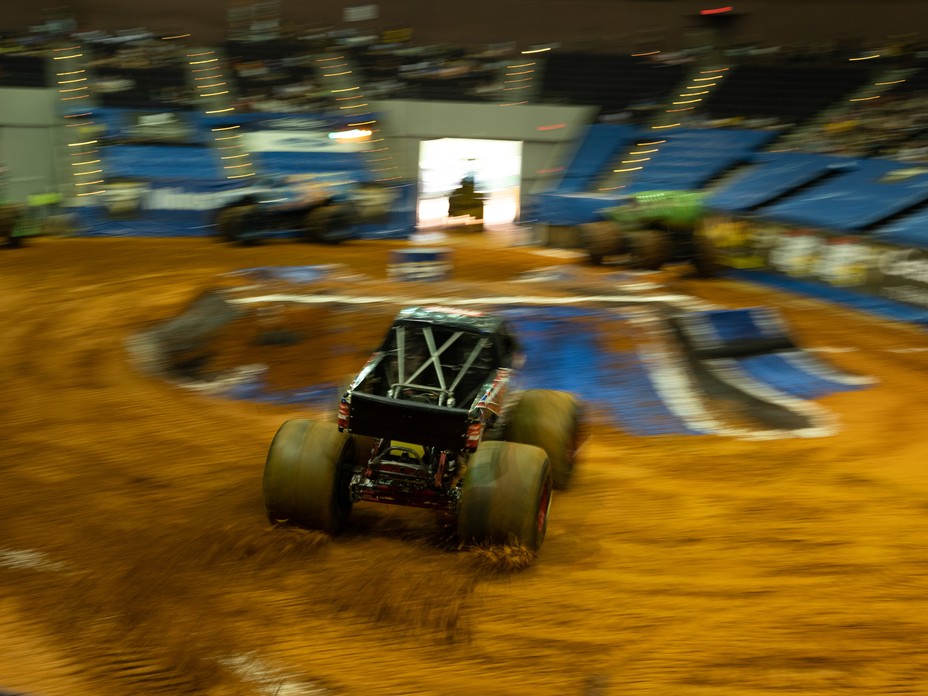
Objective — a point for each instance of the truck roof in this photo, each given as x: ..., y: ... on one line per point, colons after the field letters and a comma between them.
x: 474, y: 320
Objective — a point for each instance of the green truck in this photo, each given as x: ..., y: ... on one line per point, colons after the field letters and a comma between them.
x: 651, y: 229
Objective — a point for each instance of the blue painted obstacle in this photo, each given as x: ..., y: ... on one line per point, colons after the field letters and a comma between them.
x: 756, y: 347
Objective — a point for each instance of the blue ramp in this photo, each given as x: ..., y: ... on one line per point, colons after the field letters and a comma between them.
x: 756, y: 346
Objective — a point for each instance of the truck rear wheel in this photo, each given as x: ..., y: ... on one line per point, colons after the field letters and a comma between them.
x: 705, y: 257
x: 550, y: 420
x: 506, y: 496
x: 306, y: 475
x: 231, y: 222
x: 649, y: 249
x: 332, y: 223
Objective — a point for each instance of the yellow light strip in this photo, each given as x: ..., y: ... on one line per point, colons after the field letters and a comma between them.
x: 627, y: 169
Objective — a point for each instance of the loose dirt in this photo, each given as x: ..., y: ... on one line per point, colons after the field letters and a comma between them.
x: 135, y: 557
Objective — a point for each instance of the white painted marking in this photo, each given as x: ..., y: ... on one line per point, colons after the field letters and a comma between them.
x: 29, y: 559
x: 272, y: 681
x: 827, y: 349
x: 504, y: 300
x: 559, y: 253
x: 808, y: 364
x: 729, y: 371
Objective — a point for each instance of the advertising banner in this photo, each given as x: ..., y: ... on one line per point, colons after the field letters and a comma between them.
x: 166, y: 208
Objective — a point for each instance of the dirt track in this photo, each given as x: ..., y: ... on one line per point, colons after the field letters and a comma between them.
x: 135, y: 557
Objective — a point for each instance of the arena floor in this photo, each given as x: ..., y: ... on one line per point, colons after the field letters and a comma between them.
x: 135, y: 557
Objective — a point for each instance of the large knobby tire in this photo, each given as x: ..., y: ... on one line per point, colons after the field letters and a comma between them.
x: 506, y: 496
x: 550, y: 420
x: 332, y: 223
x: 306, y: 475
x: 705, y: 257
x: 649, y: 250
x: 230, y: 222
x: 601, y: 239
x: 10, y: 213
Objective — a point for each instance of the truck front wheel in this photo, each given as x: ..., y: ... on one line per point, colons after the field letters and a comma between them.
x: 306, y: 475
x: 550, y: 420
x: 506, y: 496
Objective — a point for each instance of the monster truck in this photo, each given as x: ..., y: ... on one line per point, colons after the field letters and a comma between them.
x: 653, y: 228
x: 432, y: 420
x: 274, y: 207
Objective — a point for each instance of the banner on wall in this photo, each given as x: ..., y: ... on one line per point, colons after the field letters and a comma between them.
x: 159, y: 208
x: 297, y: 141
x: 841, y: 261
x: 178, y: 127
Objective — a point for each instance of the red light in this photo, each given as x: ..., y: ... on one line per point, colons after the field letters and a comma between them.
x: 716, y: 10
x: 555, y: 126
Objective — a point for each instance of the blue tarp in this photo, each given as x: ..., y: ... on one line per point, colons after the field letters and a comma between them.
x: 771, y: 175
x: 853, y: 201
x: 693, y: 157
x: 286, y: 163
x: 597, y: 150
x: 575, y: 208
x: 685, y: 160
x: 889, y: 309
x: 160, y: 162
x: 910, y: 230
